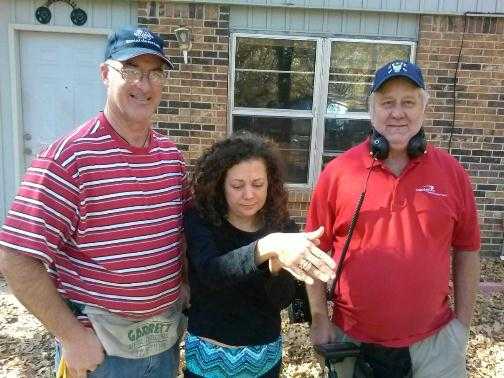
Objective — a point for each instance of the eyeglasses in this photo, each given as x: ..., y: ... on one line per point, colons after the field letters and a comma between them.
x: 133, y: 74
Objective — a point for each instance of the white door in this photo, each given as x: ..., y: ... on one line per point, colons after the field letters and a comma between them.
x: 60, y: 84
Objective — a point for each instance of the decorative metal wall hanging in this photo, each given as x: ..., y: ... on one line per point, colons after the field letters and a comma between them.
x: 78, y: 16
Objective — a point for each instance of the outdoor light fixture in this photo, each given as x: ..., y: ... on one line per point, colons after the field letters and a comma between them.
x: 183, y: 35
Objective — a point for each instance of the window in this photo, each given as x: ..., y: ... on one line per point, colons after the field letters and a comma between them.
x: 307, y: 94
x: 351, y: 69
x: 274, y: 73
x: 273, y: 96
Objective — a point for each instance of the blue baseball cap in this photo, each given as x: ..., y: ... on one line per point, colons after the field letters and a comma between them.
x: 128, y: 42
x: 398, y: 68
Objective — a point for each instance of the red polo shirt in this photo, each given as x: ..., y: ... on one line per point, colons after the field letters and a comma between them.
x: 394, y: 285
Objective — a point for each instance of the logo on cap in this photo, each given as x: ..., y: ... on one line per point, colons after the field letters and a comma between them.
x: 143, y: 34
x: 397, y: 67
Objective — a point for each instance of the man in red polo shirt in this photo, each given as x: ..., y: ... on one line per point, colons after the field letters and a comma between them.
x: 418, y: 214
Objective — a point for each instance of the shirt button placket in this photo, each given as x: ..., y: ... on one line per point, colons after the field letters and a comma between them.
x: 397, y: 201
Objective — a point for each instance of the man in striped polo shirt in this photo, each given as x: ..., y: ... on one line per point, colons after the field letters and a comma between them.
x: 92, y: 243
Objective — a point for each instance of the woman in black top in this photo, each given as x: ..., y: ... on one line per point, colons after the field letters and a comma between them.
x: 241, y: 245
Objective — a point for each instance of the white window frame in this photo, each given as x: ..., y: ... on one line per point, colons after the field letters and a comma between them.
x: 318, y: 113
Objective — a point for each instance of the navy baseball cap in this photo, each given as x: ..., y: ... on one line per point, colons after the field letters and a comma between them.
x: 398, y: 68
x: 128, y: 42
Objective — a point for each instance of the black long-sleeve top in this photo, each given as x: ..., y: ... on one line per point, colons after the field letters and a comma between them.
x: 233, y: 301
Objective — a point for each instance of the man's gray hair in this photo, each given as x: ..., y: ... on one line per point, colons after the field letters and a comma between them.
x: 371, y: 100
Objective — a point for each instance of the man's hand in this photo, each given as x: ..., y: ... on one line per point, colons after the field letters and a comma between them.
x: 82, y: 353
x: 29, y: 281
x: 322, y: 331
x: 466, y: 273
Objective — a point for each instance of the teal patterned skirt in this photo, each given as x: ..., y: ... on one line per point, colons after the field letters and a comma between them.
x: 209, y: 360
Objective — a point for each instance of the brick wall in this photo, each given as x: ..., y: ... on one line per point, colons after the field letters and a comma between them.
x: 193, y: 109
x: 478, y: 133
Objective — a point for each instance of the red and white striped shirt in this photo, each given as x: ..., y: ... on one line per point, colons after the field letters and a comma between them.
x: 106, y: 219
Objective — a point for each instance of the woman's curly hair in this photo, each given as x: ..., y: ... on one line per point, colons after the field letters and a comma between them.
x: 211, y: 170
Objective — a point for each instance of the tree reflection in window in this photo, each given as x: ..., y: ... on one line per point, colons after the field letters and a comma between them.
x: 274, y: 73
x: 353, y: 65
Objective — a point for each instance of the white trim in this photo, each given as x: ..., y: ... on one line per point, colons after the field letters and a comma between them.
x: 16, y: 104
x: 325, y: 60
x: 15, y: 81
x: 273, y: 71
x: 477, y: 14
x: 318, y: 108
x: 349, y: 115
x: 291, y: 113
x: 231, y: 78
x: 413, y: 52
x: 59, y: 29
x: 369, y: 40
x: 275, y: 36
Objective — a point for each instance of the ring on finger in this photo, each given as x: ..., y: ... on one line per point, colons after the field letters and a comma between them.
x: 305, y: 265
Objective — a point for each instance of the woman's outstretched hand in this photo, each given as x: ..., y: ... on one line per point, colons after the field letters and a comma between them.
x: 298, y: 254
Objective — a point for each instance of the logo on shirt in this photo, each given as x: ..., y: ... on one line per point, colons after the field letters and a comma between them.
x: 430, y: 189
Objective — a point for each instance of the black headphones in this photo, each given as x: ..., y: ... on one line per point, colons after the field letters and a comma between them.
x: 379, y: 146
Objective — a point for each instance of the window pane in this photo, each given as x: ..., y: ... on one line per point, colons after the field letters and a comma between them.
x: 351, y: 72
x: 341, y: 134
x: 274, y: 73
x: 293, y: 138
x: 273, y: 90
x: 275, y: 54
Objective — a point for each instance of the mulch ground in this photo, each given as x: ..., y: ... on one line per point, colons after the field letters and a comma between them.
x: 26, y: 349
